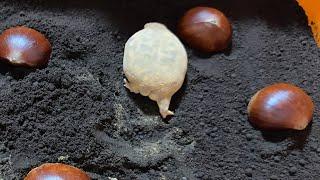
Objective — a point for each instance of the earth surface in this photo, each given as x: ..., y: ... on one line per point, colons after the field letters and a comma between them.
x: 76, y: 110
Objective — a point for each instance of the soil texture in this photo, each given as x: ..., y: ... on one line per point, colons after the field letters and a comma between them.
x: 76, y: 110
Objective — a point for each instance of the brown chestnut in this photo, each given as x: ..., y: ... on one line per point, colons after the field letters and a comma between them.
x: 24, y: 46
x: 280, y: 106
x: 50, y: 171
x: 205, y: 29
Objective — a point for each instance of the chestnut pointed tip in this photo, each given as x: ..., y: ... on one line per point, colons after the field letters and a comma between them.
x: 301, y: 126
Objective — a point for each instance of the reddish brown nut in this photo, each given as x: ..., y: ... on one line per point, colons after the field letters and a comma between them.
x: 24, y: 46
x: 280, y: 106
x: 205, y: 29
x: 50, y: 171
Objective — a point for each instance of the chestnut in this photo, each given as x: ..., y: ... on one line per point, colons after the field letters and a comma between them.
x: 23, y: 46
x: 280, y: 106
x: 49, y: 171
x: 205, y: 29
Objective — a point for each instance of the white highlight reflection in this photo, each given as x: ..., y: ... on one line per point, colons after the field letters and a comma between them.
x: 276, y: 98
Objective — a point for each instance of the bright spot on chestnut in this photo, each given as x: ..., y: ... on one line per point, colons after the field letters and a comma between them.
x: 205, y: 29
x: 280, y: 106
x: 24, y: 46
x: 56, y: 171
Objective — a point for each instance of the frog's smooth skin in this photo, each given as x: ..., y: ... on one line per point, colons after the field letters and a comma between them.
x: 155, y: 64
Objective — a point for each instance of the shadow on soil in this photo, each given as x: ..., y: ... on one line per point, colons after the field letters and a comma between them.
x: 150, y: 107
x: 297, y: 137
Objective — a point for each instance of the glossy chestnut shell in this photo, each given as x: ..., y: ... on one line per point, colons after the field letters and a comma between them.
x: 205, y: 29
x: 23, y: 46
x: 280, y: 106
x: 50, y: 171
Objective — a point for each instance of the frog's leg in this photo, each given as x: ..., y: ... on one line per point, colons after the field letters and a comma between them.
x: 131, y: 88
x: 164, y: 107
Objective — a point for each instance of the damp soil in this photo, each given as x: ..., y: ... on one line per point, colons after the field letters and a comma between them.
x: 76, y: 110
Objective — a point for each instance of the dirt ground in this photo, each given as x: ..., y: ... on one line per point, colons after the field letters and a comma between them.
x: 76, y: 110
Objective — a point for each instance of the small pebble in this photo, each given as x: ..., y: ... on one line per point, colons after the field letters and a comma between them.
x: 164, y: 168
x: 248, y: 172
x: 292, y: 170
x: 249, y: 137
x: 4, y: 161
x: 205, y: 176
x: 273, y: 177
x: 2, y: 148
x: 313, y: 147
x: 279, y: 54
x: 51, y: 87
x: 214, y: 129
x: 281, y: 50
x: 301, y: 38
x: 152, y: 171
x: 35, y: 84
x: 199, y: 174
x: 78, y: 39
x: 232, y: 57
x: 9, y: 78
x: 22, y: 14
x: 302, y: 162
x: 276, y: 159
x: 304, y: 43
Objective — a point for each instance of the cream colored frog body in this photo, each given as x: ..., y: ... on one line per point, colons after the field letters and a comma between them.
x: 155, y: 64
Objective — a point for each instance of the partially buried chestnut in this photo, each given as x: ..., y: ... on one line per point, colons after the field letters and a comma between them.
x: 23, y: 46
x: 280, y: 106
x: 57, y: 171
x: 205, y: 29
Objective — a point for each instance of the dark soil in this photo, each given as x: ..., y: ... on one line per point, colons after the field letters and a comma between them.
x: 76, y: 110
